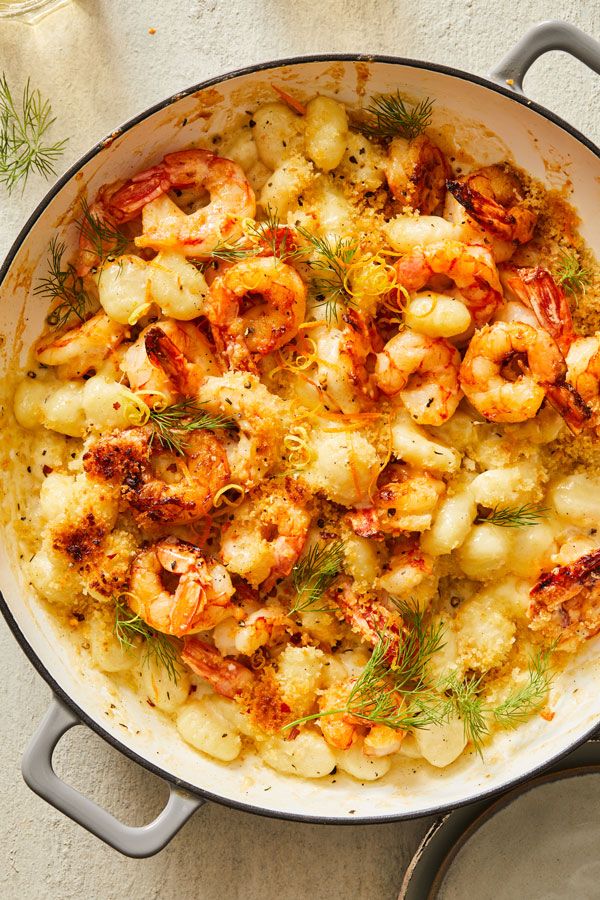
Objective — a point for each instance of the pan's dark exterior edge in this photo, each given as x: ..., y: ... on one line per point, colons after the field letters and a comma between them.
x: 400, y: 62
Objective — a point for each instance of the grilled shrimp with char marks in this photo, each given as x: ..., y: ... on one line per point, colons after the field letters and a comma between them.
x: 565, y: 603
x: 494, y: 197
x: 416, y: 172
x: 131, y: 458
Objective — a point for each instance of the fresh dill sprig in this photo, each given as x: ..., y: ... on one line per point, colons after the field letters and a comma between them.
x: 277, y: 238
x: 515, y: 516
x: 331, y: 263
x: 467, y: 703
x: 128, y: 626
x: 392, y: 689
x: 573, y: 276
x: 516, y: 708
x: 105, y: 240
x: 391, y: 116
x: 267, y: 235
x: 172, y: 425
x: 519, y: 705
x: 23, y: 136
x: 315, y: 573
x: 229, y: 252
x: 64, y: 285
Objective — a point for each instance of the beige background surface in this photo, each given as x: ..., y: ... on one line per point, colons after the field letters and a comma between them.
x: 99, y: 65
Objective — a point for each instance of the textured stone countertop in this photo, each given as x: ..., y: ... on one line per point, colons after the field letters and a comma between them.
x: 99, y: 64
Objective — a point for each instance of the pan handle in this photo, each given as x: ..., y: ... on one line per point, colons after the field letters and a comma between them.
x: 133, y: 841
x: 551, y: 35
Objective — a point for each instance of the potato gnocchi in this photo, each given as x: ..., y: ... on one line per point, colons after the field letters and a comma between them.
x: 309, y: 442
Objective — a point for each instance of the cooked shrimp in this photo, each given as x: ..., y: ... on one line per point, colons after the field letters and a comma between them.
x: 423, y: 373
x: 470, y: 266
x: 367, y: 617
x: 82, y: 348
x: 404, y: 501
x: 583, y: 372
x: 565, y: 603
x: 502, y: 400
x: 127, y: 457
x: 343, y: 729
x: 228, y: 677
x: 342, y: 354
x: 262, y: 626
x: 494, y: 196
x: 165, y: 225
x: 266, y: 535
x: 536, y: 288
x: 201, y: 599
x: 262, y: 420
x: 416, y: 173
x: 167, y: 360
x: 255, y: 307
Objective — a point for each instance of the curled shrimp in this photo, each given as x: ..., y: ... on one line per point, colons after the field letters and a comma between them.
x: 423, y: 372
x: 167, y: 360
x: 255, y: 307
x: 541, y: 372
x: 470, y: 266
x: 565, y: 603
x: 342, y: 356
x: 266, y: 535
x: 416, y: 173
x: 127, y: 458
x: 404, y: 502
x: 164, y: 224
x: 227, y: 676
x: 494, y: 196
x: 201, y: 599
x: 536, y: 289
x: 83, y: 348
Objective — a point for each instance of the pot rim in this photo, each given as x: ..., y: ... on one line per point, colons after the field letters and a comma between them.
x: 86, y: 719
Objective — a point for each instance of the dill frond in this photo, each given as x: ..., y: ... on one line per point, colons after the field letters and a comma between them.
x: 571, y: 274
x: 519, y: 705
x: 466, y: 701
x: 62, y: 284
x: 331, y: 263
x: 515, y: 516
x: 105, y: 240
x: 158, y: 646
x: 173, y: 424
x: 313, y: 574
x: 23, y: 136
x: 392, y: 689
x: 391, y: 116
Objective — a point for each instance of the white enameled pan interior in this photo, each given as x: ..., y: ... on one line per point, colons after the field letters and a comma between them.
x: 490, y: 125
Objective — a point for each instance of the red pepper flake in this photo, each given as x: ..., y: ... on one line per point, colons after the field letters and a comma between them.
x: 547, y: 714
x: 47, y: 469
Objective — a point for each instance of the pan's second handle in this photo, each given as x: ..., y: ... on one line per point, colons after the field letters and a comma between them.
x: 133, y: 841
x: 540, y: 39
